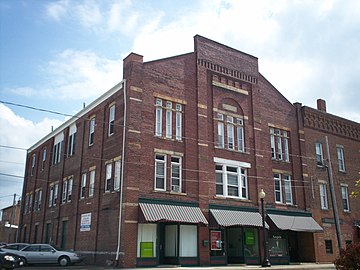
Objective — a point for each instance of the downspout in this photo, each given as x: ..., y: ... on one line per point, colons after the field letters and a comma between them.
x: 122, y: 176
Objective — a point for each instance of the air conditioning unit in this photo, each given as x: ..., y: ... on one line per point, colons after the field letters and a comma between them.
x: 175, y: 188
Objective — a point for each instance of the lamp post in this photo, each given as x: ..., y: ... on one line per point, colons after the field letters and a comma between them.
x: 265, y: 262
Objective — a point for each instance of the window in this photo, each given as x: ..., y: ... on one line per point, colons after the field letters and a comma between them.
x: 58, y: 141
x: 340, y: 154
x: 91, y: 131
x: 43, y: 159
x: 160, y: 172
x: 280, y: 181
x: 345, y: 198
x: 28, y: 203
x: 323, y: 196
x: 53, y: 194
x: 56, y: 190
x: 111, y: 119
x: 328, y: 247
x: 279, y: 143
x: 117, y: 175
x: 37, y: 201
x: 240, y: 134
x: 231, y: 181
x: 158, y: 120
x: 230, y: 132
x: 319, y: 154
x: 176, y: 174
x: 69, y: 193
x: 168, y: 119
x: 108, y: 177
x: 178, y: 122
x: 220, y: 130
x: 277, y: 188
x: 234, y: 137
x: 65, y: 185
x: 92, y: 183
x: 83, y: 186
x: 71, y: 141
x: 33, y: 165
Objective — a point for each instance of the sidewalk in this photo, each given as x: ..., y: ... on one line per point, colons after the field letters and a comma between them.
x: 298, y: 266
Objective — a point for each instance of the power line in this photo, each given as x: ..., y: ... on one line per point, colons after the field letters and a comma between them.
x: 13, y: 147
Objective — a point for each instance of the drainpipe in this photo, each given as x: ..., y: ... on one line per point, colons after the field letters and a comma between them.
x: 122, y: 176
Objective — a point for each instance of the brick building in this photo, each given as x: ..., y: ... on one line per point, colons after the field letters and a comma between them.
x: 9, y: 222
x: 178, y: 152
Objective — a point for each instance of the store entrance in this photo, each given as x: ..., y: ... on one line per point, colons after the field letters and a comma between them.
x: 235, y: 246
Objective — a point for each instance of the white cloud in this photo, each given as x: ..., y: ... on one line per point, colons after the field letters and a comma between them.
x: 22, y: 133
x: 57, y: 10
x: 89, y: 14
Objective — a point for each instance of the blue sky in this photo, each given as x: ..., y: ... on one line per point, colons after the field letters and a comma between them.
x: 56, y: 55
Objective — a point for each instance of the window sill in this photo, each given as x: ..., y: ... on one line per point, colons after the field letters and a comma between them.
x: 170, y: 192
x: 168, y: 139
x: 232, y: 150
x: 222, y: 197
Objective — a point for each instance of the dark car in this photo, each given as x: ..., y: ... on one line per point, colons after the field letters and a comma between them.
x: 14, y: 246
x: 44, y: 253
x: 9, y: 260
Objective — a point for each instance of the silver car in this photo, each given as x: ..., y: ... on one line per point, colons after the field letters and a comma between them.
x: 44, y: 253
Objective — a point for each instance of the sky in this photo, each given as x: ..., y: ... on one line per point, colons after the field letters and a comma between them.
x: 56, y: 55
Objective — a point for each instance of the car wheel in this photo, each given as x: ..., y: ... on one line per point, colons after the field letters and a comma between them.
x: 23, y: 260
x: 64, y: 261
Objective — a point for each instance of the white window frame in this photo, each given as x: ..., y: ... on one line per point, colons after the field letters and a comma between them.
x: 345, y: 197
x: 158, y: 117
x: 279, y: 144
x: 108, y: 177
x: 111, y: 120
x: 91, y: 131
x: 33, y: 160
x: 70, y: 187
x: 56, y: 191
x: 37, y: 200
x: 272, y: 143
x: 278, y: 191
x: 319, y: 157
x: 340, y: 155
x: 174, y: 164
x: 221, y: 135
x: 323, y: 196
x: 92, y: 183
x: 51, y: 195
x: 240, y: 174
x: 83, y: 186
x: 117, y: 175
x: 43, y: 160
x: 178, y: 122
x: 168, y: 119
x: 64, y: 192
x: 287, y: 189
x: 240, y: 135
x: 157, y: 176
x: 230, y: 132
x: 286, y: 146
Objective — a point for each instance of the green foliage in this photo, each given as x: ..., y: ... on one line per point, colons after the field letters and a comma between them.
x: 349, y: 258
x: 356, y: 193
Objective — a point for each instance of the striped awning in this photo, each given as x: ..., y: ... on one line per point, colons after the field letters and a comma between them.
x: 228, y: 218
x: 154, y: 212
x: 295, y: 223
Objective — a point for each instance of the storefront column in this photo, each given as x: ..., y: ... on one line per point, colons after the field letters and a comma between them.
x: 204, y: 249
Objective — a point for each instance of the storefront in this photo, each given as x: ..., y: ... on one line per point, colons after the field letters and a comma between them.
x: 291, y: 236
x: 168, y: 233
x: 234, y: 235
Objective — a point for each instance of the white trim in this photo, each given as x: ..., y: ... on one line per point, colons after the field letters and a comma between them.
x: 232, y: 162
x: 72, y: 129
x: 59, y: 138
x: 80, y: 114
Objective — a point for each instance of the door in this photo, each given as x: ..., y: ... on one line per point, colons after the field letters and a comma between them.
x: 235, y: 245
x: 293, y: 247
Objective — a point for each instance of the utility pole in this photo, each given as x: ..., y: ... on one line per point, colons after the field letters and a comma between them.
x: 333, y: 198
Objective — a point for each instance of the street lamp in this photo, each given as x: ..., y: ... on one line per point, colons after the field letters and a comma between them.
x: 266, y: 262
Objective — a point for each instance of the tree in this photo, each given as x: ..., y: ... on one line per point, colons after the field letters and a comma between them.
x: 349, y: 258
x: 356, y: 192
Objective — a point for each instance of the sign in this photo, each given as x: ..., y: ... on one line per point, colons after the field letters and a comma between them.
x: 146, y: 249
x: 215, y: 238
x: 249, y: 238
x: 85, y: 222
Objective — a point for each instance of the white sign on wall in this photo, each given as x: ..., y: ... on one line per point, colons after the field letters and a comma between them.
x: 85, y: 222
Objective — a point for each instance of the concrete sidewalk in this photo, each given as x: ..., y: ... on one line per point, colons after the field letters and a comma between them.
x: 297, y: 266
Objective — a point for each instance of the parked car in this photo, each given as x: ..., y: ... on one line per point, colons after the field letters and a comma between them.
x: 9, y: 260
x: 44, y: 253
x: 14, y: 246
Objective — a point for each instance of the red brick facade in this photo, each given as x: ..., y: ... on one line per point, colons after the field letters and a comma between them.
x: 202, y: 93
